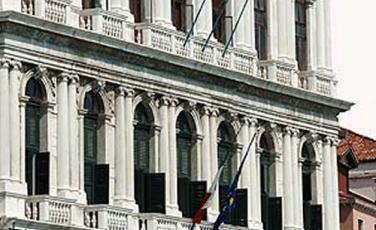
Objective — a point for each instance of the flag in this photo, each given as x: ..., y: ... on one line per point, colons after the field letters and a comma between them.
x: 230, y: 202
x: 208, y: 198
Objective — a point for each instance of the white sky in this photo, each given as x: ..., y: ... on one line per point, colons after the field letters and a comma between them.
x: 354, y: 57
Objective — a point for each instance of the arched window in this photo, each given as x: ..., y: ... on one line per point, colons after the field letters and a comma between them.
x: 226, y: 149
x: 308, y: 168
x: 270, y: 205
x: 178, y: 14
x: 96, y: 175
x: 261, y: 28
x: 185, y: 144
x: 301, y: 34
x: 37, y: 162
x: 142, y: 147
x: 219, y: 10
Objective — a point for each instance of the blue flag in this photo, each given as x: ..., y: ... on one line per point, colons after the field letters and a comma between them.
x: 230, y: 202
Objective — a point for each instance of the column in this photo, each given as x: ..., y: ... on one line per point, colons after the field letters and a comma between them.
x: 174, y: 208
x: 328, y: 187
x: 129, y: 159
x: 73, y: 136
x: 204, y: 22
x: 334, y: 177
x: 320, y: 33
x: 4, y: 121
x: 214, y: 209
x: 290, y: 28
x: 14, y: 115
x: 120, y: 155
x: 272, y: 29
x: 116, y: 5
x: 328, y: 35
x: 311, y: 33
x: 164, y: 160
x: 63, y: 166
x: 288, y: 191
x: 282, y: 33
x: 162, y: 13
x: 296, y: 176
x: 244, y: 35
x: 205, y: 156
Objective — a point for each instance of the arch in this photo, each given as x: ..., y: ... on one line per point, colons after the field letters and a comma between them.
x: 148, y: 101
x: 35, y: 90
x: 193, y: 114
x: 100, y: 95
x: 269, y: 130
x: 310, y: 140
x: 40, y: 74
x: 93, y: 103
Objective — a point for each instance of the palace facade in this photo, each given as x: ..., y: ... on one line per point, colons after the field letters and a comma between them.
x: 112, y: 119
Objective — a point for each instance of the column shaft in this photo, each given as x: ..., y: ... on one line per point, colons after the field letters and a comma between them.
x: 328, y: 35
x: 311, y: 33
x: 129, y: 161
x: 244, y: 35
x: 204, y: 22
x: 328, y: 187
x: 255, y: 190
x: 296, y: 177
x: 120, y: 157
x: 206, y: 172
x: 63, y: 175
x: 288, y: 191
x: 290, y: 28
x: 335, y: 198
x: 73, y: 137
x: 162, y: 13
x: 172, y: 156
x: 282, y: 33
x: 320, y: 33
x: 164, y: 146
x: 4, y: 121
x: 14, y: 115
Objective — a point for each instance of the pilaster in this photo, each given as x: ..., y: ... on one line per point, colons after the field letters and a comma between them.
x: 288, y: 191
x: 328, y: 186
x: 296, y: 176
x: 205, y: 156
x: 204, y: 22
x: 4, y: 121
x: 334, y: 179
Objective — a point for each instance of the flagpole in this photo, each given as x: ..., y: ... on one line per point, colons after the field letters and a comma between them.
x: 194, y: 23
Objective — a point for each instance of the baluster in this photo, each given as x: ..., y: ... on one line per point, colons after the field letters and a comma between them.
x: 35, y: 211
x: 28, y: 210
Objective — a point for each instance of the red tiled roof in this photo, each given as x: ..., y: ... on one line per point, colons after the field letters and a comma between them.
x: 363, y: 147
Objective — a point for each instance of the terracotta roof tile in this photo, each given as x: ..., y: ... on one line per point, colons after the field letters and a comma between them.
x: 363, y: 147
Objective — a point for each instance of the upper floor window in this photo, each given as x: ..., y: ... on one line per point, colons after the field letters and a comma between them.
x: 135, y: 7
x: 220, y: 29
x: 90, y: 4
x: 301, y: 34
x: 260, y: 28
x: 178, y: 14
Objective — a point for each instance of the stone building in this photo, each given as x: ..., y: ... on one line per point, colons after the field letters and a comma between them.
x: 111, y: 120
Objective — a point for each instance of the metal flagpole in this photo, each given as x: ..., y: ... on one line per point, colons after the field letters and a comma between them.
x: 233, y: 31
x: 217, y: 20
x: 194, y: 23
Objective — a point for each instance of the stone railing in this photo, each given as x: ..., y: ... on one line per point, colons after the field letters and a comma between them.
x: 49, y: 209
x: 106, y: 23
x: 52, y: 10
x: 172, y: 41
x: 106, y: 217
x: 318, y: 81
x: 281, y: 72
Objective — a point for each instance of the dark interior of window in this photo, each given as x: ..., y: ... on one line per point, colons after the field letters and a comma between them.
x: 219, y: 11
x: 260, y: 28
x: 301, y: 34
x: 135, y: 7
x: 178, y: 14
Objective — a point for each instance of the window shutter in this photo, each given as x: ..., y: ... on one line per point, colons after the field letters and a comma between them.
x: 139, y: 178
x: 42, y: 173
x: 184, y: 196
x: 198, y: 191
x: 316, y: 217
x: 155, y: 192
x: 240, y: 216
x: 275, y: 208
x: 32, y: 127
x: 101, y: 184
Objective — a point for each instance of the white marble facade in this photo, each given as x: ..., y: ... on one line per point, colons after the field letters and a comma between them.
x: 72, y: 52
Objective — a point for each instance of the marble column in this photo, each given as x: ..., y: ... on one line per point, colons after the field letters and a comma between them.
x: 14, y: 115
x: 4, y: 121
x: 129, y: 149
x: 288, y: 191
x: 73, y: 133
x: 311, y: 33
x: 63, y: 175
x: 320, y: 34
x: 214, y: 209
x: 272, y: 28
x: 174, y: 208
x: 164, y: 160
x: 290, y: 28
x: 244, y: 35
x: 282, y: 30
x: 205, y: 156
x: 204, y: 22
x: 296, y: 176
x: 328, y: 187
x: 120, y: 149
x: 162, y: 13
x: 328, y: 34
x: 334, y: 179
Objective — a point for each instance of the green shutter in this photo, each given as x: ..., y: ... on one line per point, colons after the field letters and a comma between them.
x: 156, y: 192
x: 42, y: 173
x: 140, y: 193
x: 240, y: 215
x: 90, y: 157
x: 275, y: 213
x: 197, y: 191
x: 184, y: 196
x: 101, y: 185
x: 316, y: 217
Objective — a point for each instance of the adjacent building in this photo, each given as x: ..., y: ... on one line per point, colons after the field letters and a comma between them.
x: 113, y: 117
x: 357, y: 185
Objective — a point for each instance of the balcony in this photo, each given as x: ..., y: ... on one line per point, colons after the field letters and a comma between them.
x: 51, y: 10
x: 172, y: 41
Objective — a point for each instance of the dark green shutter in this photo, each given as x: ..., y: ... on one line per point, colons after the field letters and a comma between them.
x: 184, y: 196
x: 90, y: 157
x: 240, y: 216
x: 265, y: 211
x: 140, y: 194
x: 155, y: 190
x: 316, y: 217
x: 42, y: 173
x: 198, y: 191
x: 307, y: 215
x: 275, y: 214
x: 101, y: 185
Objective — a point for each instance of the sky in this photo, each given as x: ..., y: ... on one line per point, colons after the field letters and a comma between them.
x: 354, y: 56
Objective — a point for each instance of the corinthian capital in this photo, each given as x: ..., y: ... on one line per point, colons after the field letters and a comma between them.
x: 16, y: 65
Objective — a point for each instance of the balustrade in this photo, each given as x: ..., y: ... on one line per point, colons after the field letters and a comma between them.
x: 106, y: 217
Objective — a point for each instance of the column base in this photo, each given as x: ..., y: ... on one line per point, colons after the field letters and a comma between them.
x: 212, y: 215
x: 255, y: 224
x: 173, y: 210
x: 69, y: 194
x: 126, y: 203
x: 289, y: 228
x: 15, y: 187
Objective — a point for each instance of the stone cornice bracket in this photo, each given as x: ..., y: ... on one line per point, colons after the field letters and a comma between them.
x: 99, y: 86
x: 190, y: 105
x: 42, y: 71
x: 232, y: 116
x: 74, y: 78
x: 312, y: 137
